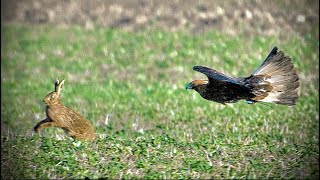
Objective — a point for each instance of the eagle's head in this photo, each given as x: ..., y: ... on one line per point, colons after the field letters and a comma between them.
x: 197, y: 84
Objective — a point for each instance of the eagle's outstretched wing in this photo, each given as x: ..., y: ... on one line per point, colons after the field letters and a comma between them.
x: 217, y: 78
x: 272, y: 54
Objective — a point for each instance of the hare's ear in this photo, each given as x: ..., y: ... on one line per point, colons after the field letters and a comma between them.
x: 58, y: 86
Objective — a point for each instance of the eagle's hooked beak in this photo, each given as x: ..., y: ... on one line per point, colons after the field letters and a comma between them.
x: 189, y: 86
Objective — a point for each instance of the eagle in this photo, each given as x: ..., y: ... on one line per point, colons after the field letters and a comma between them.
x: 274, y: 81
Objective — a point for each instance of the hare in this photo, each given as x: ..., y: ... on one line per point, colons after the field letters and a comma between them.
x: 61, y: 116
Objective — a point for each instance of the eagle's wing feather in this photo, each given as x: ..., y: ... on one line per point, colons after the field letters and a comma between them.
x: 216, y: 77
x: 274, y: 55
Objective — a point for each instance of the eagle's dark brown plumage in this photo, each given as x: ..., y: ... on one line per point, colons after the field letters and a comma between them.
x: 274, y: 81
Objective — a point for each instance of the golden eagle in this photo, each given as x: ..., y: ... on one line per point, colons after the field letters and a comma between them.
x: 275, y: 81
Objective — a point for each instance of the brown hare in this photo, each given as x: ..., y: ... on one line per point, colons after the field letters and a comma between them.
x: 61, y: 116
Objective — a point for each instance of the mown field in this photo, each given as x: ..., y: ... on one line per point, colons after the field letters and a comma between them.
x: 131, y: 86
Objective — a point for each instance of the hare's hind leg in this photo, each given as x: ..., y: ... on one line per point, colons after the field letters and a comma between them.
x: 43, y: 124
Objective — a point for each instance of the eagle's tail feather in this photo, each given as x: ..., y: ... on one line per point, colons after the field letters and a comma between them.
x: 275, y: 80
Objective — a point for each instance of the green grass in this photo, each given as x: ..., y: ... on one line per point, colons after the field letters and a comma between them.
x: 156, y: 129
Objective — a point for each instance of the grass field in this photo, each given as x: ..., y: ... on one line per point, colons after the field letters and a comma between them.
x: 131, y: 86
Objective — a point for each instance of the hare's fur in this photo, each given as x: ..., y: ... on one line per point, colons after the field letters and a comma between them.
x: 61, y: 116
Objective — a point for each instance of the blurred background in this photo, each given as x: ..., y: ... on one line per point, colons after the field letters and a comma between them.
x: 279, y: 17
x: 126, y: 64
